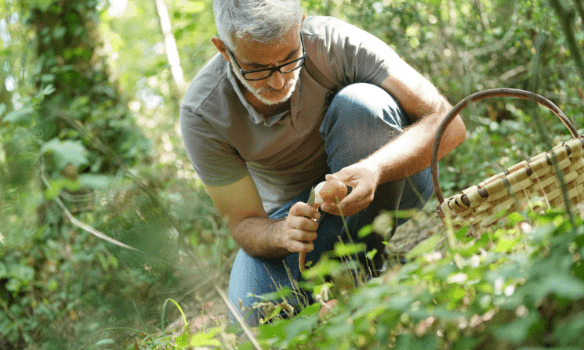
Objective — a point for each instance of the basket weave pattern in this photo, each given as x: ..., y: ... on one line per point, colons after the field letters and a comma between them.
x: 479, y: 206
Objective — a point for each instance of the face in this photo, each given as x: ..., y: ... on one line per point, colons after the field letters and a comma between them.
x: 251, y: 55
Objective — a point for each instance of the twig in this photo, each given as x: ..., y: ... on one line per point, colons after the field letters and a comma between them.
x: 580, y: 8
x: 565, y: 19
x: 238, y: 317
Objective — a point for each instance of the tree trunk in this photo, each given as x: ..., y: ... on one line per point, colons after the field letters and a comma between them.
x: 85, y: 106
x: 171, y: 50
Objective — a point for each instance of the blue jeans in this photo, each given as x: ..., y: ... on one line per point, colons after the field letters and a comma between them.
x: 361, y: 119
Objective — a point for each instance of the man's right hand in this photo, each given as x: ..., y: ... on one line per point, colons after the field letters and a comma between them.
x: 254, y: 230
x: 299, y: 228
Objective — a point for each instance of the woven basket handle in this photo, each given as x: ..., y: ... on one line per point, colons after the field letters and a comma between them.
x: 479, y: 96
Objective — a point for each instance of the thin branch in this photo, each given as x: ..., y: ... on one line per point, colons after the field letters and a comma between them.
x: 566, y: 21
x: 580, y: 7
x: 170, y: 45
x: 105, y: 237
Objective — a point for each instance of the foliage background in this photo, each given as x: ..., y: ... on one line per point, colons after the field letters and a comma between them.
x: 89, y: 126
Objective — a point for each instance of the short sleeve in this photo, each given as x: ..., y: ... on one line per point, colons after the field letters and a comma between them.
x: 350, y: 54
x: 215, y: 160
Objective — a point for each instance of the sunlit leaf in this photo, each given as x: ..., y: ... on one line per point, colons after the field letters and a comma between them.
x: 104, y: 342
x: 505, y: 245
x: 43, y: 5
x: 426, y: 246
x: 22, y: 115
x: 96, y: 181
x: 65, y: 152
x: 193, y: 6
x: 204, y: 339
x: 347, y: 249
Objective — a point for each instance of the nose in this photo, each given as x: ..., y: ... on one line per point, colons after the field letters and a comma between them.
x: 276, y: 81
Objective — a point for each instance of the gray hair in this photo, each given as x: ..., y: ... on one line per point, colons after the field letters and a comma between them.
x: 265, y: 21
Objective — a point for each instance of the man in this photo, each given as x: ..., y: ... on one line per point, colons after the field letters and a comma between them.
x: 287, y: 100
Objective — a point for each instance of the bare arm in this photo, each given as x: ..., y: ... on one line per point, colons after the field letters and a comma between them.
x: 410, y: 152
x: 254, y: 231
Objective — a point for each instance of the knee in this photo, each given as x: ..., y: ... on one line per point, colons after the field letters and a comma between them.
x: 363, y: 100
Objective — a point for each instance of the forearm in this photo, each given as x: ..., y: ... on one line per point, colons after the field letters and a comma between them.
x: 260, y: 237
x: 411, y: 152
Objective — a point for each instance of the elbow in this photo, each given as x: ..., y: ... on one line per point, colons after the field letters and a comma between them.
x: 455, y: 134
x: 460, y: 131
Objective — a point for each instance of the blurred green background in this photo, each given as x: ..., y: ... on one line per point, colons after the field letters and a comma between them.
x: 89, y: 96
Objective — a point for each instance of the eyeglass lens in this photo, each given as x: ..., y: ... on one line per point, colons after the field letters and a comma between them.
x: 263, y: 74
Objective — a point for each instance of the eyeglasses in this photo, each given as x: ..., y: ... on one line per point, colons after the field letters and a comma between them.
x: 254, y: 75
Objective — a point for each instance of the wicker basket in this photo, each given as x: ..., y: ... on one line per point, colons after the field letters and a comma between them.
x: 480, y: 206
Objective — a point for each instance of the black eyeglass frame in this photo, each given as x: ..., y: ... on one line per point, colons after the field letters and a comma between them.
x: 271, y: 70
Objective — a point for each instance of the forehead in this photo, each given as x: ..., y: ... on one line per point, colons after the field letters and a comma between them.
x: 249, y: 51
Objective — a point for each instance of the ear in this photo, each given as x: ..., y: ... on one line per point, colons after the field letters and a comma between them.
x: 221, y: 48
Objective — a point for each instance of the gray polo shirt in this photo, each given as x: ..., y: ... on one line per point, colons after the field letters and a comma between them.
x: 227, y: 139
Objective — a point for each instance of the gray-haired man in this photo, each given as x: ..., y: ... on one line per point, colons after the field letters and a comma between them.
x: 287, y: 100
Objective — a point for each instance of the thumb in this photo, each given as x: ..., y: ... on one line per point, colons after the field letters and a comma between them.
x: 336, y: 176
x: 343, y: 176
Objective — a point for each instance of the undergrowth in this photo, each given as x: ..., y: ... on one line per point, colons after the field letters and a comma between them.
x: 520, y: 286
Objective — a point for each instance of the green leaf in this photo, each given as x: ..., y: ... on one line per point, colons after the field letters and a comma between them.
x: 21, y: 115
x: 408, y: 342
x: 193, y: 6
x: 401, y: 302
x: 516, y: 331
x: 49, y: 89
x: 300, y: 327
x: 465, y: 343
x: 59, y: 32
x: 96, y: 181
x: 425, y: 247
x: 56, y: 185
x: 569, y: 331
x: 182, y: 340
x: 2, y: 108
x: 204, y: 339
x: 347, y: 249
x: 515, y: 218
x: 104, y: 342
x: 66, y: 152
x: 461, y: 232
x: 364, y: 231
x: 563, y: 286
x: 43, y: 5
x: 505, y: 245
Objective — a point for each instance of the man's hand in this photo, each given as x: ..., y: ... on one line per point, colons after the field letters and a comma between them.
x: 363, y: 177
x: 299, y: 228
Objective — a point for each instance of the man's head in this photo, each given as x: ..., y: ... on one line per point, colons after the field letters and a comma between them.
x: 264, y: 21
x: 261, y: 34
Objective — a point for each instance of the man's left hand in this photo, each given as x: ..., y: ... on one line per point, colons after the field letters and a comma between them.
x: 363, y: 178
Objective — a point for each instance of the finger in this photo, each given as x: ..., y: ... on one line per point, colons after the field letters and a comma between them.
x: 346, y: 209
x: 342, y: 176
x: 301, y: 223
x: 305, y: 210
x: 300, y: 247
x: 297, y: 240
x: 305, y: 236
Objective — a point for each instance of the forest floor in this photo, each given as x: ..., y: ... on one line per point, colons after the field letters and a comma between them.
x: 422, y: 225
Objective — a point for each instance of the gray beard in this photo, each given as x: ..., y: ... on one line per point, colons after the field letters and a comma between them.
x: 257, y: 92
